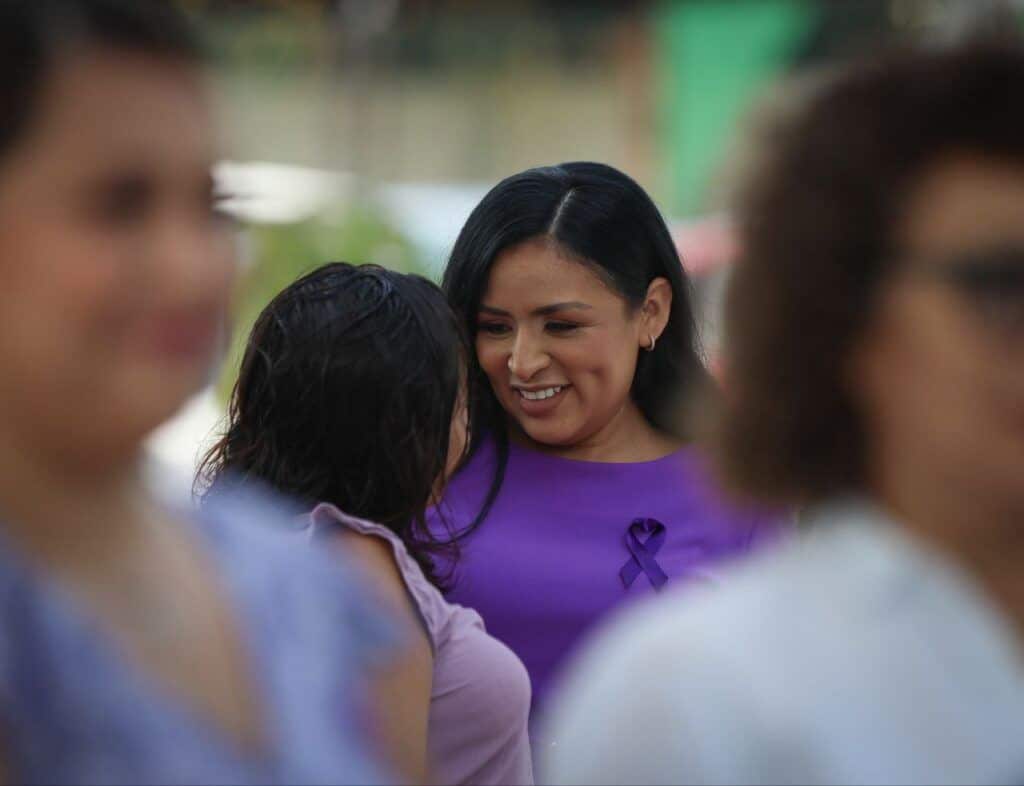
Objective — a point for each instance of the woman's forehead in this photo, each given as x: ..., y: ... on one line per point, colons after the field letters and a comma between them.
x: 101, y: 105
x: 963, y: 202
x: 535, y: 274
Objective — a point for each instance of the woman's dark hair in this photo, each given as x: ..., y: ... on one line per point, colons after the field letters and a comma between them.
x: 346, y: 394
x: 35, y: 34
x: 818, y: 227
x: 603, y: 219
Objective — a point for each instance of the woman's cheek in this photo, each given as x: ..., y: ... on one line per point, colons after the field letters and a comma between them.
x: 490, y: 359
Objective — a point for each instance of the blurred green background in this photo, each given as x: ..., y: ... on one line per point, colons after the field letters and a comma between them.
x: 366, y: 130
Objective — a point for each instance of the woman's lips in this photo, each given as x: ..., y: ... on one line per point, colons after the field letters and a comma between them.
x: 184, y: 337
x: 539, y: 401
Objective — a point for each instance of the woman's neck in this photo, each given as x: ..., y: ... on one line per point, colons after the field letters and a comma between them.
x: 66, y: 513
x: 627, y: 438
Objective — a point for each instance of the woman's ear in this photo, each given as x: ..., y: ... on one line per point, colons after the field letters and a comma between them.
x: 655, y: 311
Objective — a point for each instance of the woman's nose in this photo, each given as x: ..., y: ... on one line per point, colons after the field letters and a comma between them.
x: 526, y: 359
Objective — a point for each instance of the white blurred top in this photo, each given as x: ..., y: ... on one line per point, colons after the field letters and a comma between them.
x: 854, y: 656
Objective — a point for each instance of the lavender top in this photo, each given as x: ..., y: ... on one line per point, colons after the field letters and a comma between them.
x: 559, y: 549
x: 75, y: 709
x: 480, y: 696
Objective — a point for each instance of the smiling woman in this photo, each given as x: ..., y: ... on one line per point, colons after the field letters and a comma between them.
x: 581, y: 491
x: 560, y: 348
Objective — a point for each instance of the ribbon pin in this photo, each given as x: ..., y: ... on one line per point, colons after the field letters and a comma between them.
x: 642, y: 558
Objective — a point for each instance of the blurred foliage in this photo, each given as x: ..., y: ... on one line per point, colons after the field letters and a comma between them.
x: 281, y: 253
x: 277, y: 45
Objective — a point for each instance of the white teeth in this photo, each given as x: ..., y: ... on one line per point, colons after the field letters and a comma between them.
x: 539, y: 395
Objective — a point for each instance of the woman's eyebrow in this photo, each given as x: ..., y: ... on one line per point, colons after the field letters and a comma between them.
x: 543, y: 310
x: 568, y: 306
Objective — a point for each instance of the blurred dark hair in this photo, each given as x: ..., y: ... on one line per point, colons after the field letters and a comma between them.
x: 818, y: 236
x: 35, y: 34
x: 346, y: 394
x: 600, y: 217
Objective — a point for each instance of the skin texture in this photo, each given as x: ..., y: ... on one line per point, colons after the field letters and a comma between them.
x: 941, y: 387
x: 548, y: 320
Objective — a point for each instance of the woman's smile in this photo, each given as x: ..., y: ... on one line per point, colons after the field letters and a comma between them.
x: 540, y: 401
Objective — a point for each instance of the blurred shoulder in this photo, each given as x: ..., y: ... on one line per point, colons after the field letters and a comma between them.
x: 264, y: 544
x: 852, y: 637
x: 792, y: 597
x: 690, y: 684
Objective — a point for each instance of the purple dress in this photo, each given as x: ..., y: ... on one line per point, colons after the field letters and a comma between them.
x: 480, y: 693
x: 567, y: 541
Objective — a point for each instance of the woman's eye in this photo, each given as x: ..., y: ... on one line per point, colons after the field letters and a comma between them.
x: 123, y: 202
x: 562, y: 327
x: 493, y: 328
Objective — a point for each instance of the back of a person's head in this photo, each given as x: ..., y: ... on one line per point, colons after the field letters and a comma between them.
x: 36, y: 34
x: 346, y: 395
x: 818, y: 227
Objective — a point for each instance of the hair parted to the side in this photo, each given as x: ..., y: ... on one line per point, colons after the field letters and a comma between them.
x: 817, y: 230
x: 346, y: 394
x: 35, y: 34
x: 602, y: 218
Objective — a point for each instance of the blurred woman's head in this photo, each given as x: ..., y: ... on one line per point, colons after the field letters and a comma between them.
x: 875, y: 324
x: 572, y: 291
x: 352, y: 391
x: 114, y: 267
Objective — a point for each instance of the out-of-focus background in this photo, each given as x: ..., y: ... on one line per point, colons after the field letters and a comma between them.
x: 366, y: 130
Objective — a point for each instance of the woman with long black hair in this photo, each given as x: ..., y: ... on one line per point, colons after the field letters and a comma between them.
x: 582, y: 491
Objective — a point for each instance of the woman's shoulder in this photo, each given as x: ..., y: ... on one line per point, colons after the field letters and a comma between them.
x: 854, y: 607
x: 258, y: 541
x: 384, y: 553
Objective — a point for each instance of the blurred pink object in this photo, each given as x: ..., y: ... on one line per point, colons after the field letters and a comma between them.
x: 705, y: 244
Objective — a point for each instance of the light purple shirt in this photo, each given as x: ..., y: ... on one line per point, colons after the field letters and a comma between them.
x: 546, y: 564
x: 480, y: 695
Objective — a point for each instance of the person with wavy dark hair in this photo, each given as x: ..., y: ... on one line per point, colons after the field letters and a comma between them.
x: 352, y: 398
x: 875, y: 340
x: 583, y: 490
x: 139, y: 640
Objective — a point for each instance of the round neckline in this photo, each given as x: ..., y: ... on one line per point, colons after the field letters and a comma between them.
x: 679, y: 452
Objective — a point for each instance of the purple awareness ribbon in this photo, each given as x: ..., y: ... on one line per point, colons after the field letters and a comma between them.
x: 643, y: 553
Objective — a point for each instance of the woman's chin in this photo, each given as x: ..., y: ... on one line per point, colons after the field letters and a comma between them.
x: 547, y: 435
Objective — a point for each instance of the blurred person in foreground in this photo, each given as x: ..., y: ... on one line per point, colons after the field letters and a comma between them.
x: 875, y: 331
x: 352, y: 397
x: 138, y: 643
